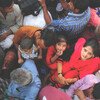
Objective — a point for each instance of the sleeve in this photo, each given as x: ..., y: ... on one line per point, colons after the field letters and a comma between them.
x: 49, y: 55
x: 19, y: 19
x: 18, y: 36
x: 75, y: 86
x: 60, y: 24
x: 32, y: 94
x: 79, y: 44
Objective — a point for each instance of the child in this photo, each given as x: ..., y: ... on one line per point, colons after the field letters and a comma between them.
x: 84, y: 60
x: 87, y: 85
x: 54, y: 56
x: 27, y: 50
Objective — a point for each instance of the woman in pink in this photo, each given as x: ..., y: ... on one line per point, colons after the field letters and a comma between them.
x: 83, y: 61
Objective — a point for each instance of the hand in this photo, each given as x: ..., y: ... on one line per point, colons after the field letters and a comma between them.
x: 70, y: 80
x: 3, y: 36
x: 39, y: 57
x: 59, y: 52
x: 80, y: 94
x: 20, y: 60
x: 61, y: 80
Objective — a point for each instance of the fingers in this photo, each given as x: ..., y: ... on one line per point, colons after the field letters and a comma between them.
x: 71, y: 80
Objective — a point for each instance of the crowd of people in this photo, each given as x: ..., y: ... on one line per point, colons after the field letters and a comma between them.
x: 49, y: 50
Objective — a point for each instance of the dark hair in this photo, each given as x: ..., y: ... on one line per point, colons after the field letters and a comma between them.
x: 96, y: 91
x: 48, y: 34
x: 93, y: 42
x: 5, y: 3
x: 82, y: 5
x: 30, y: 7
x: 26, y: 43
x: 61, y: 38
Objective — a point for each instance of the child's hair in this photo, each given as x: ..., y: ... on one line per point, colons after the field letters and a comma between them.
x: 93, y: 42
x: 61, y: 38
x: 82, y: 5
x: 5, y: 3
x: 48, y: 35
x: 96, y: 91
x: 26, y: 43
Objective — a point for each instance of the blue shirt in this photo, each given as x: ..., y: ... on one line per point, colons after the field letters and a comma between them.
x: 73, y: 23
x: 30, y: 91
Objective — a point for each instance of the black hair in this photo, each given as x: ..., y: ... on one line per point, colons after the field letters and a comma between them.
x: 49, y: 34
x: 82, y: 5
x: 93, y: 42
x: 30, y: 7
x: 96, y: 91
x: 5, y: 3
x: 61, y: 38
x: 26, y: 43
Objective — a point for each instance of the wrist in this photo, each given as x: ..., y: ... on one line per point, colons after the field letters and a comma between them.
x: 43, y: 5
x: 60, y: 74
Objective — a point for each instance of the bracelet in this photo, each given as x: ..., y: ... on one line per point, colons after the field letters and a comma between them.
x: 59, y: 73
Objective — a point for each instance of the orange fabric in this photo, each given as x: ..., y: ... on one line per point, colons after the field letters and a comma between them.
x: 25, y: 31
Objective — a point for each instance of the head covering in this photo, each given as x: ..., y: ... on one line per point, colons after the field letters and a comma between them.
x: 89, y: 81
x: 21, y: 76
x: 51, y: 93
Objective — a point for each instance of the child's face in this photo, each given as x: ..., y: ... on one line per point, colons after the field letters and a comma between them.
x: 27, y: 50
x: 87, y: 53
x: 61, y: 46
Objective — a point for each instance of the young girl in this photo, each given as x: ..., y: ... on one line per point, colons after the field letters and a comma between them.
x: 55, y: 55
x: 28, y: 50
x: 83, y: 61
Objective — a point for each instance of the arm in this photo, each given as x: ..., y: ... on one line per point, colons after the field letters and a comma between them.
x: 20, y: 60
x: 80, y: 94
x: 40, y: 54
x: 59, y: 69
x: 45, y: 11
x: 55, y: 57
x: 49, y: 54
x: 4, y: 35
x: 75, y: 86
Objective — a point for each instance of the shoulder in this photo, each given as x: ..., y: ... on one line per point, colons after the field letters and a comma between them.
x: 16, y: 8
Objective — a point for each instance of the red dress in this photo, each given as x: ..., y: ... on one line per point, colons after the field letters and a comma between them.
x: 50, y: 53
x: 77, y: 67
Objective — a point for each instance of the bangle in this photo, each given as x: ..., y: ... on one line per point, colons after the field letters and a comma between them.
x: 59, y: 73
